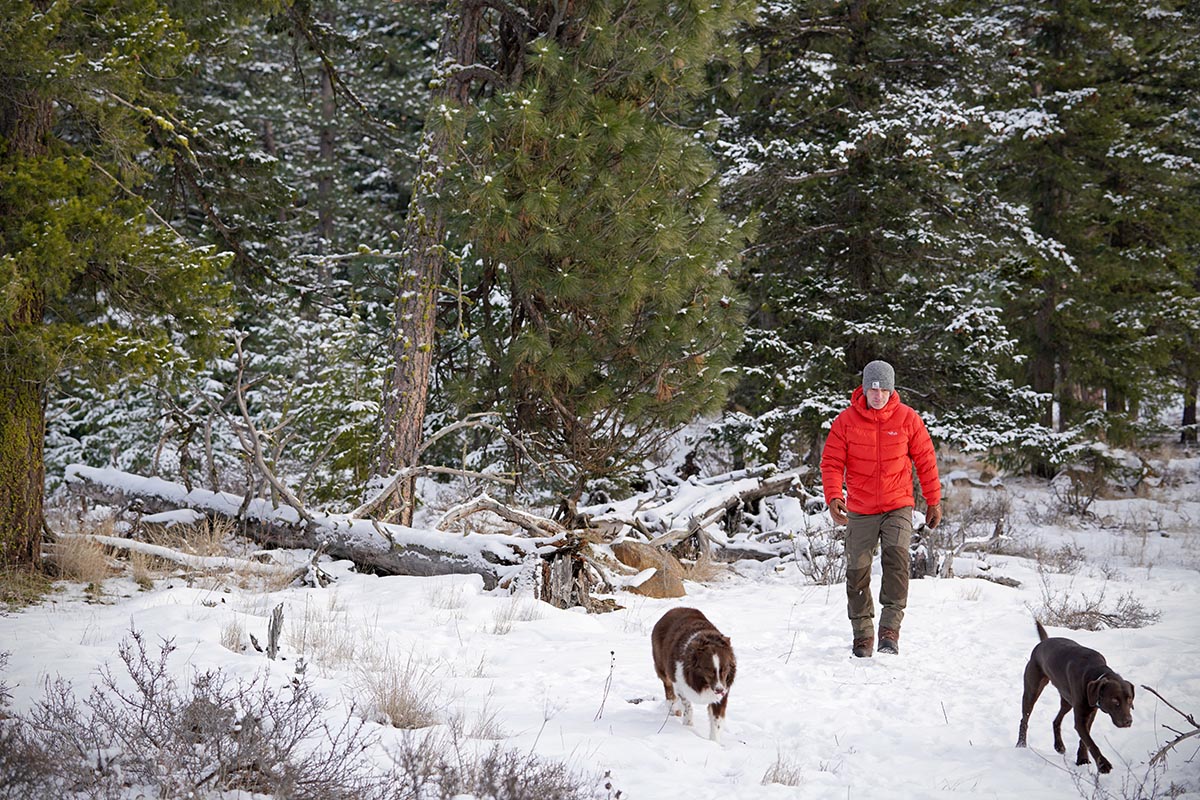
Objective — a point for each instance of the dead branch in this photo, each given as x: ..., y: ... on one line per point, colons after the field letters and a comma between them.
x: 252, y: 441
x: 538, y: 526
x: 1161, y: 755
x: 947, y: 568
x: 377, y: 500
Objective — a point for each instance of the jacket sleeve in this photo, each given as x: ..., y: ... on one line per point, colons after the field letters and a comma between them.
x: 924, y: 456
x: 833, y: 462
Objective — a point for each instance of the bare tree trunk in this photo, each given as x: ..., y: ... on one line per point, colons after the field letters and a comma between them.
x: 1191, y: 388
x: 421, y: 261
x: 325, y: 199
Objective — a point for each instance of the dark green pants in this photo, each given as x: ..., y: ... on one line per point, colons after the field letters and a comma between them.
x: 866, y: 533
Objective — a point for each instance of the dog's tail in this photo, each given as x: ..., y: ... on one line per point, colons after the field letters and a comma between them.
x: 1041, y: 631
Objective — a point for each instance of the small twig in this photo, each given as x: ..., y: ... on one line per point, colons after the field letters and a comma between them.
x: 1161, y: 755
x: 612, y: 663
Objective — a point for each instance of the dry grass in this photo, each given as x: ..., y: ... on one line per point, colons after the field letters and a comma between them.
x: 21, y: 587
x: 448, y: 596
x: 485, y: 725
x: 704, y: 569
x: 207, y: 537
x: 972, y: 593
x: 516, y: 609
x: 233, y: 635
x: 785, y: 771
x: 325, y: 636
x: 78, y: 559
x: 399, y: 692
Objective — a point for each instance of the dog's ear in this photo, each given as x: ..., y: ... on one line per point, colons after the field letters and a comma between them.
x: 1093, y: 690
x: 1130, y: 685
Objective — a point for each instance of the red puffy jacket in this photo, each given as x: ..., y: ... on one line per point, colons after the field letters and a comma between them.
x: 874, y: 453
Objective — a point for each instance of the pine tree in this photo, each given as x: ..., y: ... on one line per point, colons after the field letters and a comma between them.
x: 856, y: 143
x: 1095, y: 142
x: 90, y: 271
x: 601, y: 264
x: 309, y: 201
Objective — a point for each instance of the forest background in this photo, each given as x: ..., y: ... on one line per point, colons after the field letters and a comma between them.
x: 341, y: 242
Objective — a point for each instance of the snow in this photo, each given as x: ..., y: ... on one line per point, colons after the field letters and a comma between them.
x: 937, y: 721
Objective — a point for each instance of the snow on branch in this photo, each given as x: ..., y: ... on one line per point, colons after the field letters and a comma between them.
x: 374, y: 546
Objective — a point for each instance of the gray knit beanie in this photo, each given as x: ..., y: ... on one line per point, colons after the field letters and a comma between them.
x: 879, y: 375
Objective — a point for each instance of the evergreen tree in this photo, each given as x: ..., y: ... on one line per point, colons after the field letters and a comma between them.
x: 1098, y: 140
x: 855, y: 142
x: 309, y: 189
x: 90, y: 271
x: 600, y: 263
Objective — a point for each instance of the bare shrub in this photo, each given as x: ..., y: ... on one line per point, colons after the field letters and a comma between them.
x: 211, y: 737
x: 1076, y: 491
x: 1066, y: 560
x: 217, y: 737
x: 1090, y: 613
x: 785, y: 771
x: 819, y: 556
x: 1146, y: 785
x: 431, y: 768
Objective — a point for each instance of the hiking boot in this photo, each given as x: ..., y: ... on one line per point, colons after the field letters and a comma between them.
x: 863, y: 647
x: 889, y: 641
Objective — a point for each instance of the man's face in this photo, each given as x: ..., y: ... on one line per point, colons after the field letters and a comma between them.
x: 878, y: 398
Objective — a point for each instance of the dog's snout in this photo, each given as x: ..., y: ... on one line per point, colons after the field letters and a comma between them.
x: 1124, y: 722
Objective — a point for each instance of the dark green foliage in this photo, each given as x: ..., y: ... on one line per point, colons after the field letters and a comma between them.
x: 599, y: 260
x: 1099, y: 140
x: 91, y: 273
x: 880, y: 235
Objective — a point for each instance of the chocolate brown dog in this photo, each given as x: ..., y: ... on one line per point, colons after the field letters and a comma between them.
x: 1085, y: 682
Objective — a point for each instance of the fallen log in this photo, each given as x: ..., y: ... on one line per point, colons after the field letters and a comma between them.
x: 380, y: 548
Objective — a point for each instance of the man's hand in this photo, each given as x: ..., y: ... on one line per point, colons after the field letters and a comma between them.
x: 933, y: 515
x: 837, y: 510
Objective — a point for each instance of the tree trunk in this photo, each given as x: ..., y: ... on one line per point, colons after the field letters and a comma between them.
x: 25, y: 123
x: 22, y: 469
x: 1190, y: 389
x: 325, y: 198
x: 421, y: 261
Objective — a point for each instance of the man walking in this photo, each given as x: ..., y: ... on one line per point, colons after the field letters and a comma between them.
x: 872, y: 448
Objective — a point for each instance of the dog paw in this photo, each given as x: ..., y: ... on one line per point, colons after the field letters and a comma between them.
x: 1059, y: 747
x: 1104, y: 766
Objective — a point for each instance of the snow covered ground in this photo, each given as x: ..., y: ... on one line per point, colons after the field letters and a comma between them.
x: 937, y: 721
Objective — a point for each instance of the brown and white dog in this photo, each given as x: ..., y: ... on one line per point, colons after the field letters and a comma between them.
x: 696, y: 665
x: 1085, y: 683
